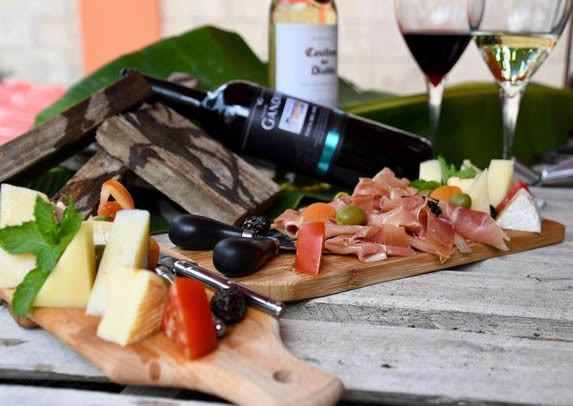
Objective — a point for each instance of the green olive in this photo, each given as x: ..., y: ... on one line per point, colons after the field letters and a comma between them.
x: 351, y: 215
x: 462, y: 200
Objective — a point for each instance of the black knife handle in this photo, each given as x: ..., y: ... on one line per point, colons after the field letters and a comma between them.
x: 239, y: 256
x: 193, y: 232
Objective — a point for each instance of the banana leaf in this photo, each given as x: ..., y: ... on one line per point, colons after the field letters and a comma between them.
x: 470, y: 124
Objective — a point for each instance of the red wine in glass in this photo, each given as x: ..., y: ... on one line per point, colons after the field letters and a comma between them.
x: 436, y: 52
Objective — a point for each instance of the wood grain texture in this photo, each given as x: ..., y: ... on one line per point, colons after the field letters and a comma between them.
x: 68, y: 132
x: 85, y: 185
x: 341, y: 273
x: 186, y: 165
x: 250, y: 366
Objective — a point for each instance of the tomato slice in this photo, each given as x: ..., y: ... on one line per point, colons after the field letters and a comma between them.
x: 187, y: 319
x: 510, y: 193
x: 153, y: 253
x: 309, y: 244
x: 122, y: 199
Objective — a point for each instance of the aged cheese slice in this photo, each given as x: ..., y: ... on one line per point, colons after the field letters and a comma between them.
x: 127, y: 245
x: 16, y: 207
x: 431, y: 170
x: 135, y: 303
x: 500, y: 179
x: 479, y: 193
x: 70, y: 282
x: 521, y: 213
x: 464, y: 184
x: 101, y: 231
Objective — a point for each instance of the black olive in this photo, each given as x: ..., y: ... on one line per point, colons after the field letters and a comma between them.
x: 230, y: 305
x: 433, y: 205
x: 258, y: 225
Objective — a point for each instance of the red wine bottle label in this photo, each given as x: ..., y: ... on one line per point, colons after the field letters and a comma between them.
x: 292, y: 133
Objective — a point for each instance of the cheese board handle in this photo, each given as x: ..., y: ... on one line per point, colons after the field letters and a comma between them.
x: 238, y: 256
x: 194, y: 232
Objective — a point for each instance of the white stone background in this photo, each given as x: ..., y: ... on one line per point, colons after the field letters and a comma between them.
x: 40, y: 41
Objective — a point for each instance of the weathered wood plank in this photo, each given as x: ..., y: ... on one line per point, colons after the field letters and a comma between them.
x: 68, y: 132
x: 185, y: 164
x: 85, y: 185
x: 19, y: 395
x: 383, y: 364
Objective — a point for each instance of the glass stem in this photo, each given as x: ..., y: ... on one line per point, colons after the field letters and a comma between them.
x: 510, y: 111
x: 435, y: 96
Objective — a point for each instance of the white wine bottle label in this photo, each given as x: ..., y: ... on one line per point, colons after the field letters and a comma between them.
x: 292, y: 131
x: 306, y: 62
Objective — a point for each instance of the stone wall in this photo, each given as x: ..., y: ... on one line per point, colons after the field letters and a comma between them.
x: 40, y: 41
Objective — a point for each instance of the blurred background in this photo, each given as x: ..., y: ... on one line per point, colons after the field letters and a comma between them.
x: 57, y: 42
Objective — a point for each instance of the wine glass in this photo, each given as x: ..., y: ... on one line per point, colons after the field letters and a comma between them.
x: 437, y: 33
x: 514, y: 38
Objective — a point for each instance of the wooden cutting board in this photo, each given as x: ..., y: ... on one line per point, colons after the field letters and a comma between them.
x: 340, y: 273
x: 250, y: 366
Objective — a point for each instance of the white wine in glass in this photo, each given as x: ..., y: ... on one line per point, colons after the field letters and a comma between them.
x: 514, y: 38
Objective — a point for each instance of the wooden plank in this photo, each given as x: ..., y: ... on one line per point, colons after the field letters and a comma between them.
x: 85, y: 185
x: 250, y: 360
x: 340, y: 273
x: 189, y: 167
x: 26, y: 395
x: 72, y: 130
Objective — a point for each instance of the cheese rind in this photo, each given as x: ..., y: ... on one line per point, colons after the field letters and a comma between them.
x: 16, y: 207
x: 70, y: 282
x: 135, y: 304
x: 500, y: 179
x: 127, y: 245
x: 431, y: 170
x: 521, y: 213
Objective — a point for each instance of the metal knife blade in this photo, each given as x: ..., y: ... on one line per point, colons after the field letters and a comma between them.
x: 191, y: 269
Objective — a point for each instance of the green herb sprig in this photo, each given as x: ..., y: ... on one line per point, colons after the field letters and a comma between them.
x: 450, y: 171
x: 44, y: 237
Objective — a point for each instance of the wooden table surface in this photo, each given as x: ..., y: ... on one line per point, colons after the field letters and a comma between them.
x: 496, y: 332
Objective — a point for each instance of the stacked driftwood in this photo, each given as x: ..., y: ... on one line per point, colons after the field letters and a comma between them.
x: 150, y: 140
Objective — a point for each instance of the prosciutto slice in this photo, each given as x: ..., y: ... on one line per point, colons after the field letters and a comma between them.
x: 400, y: 223
x: 475, y: 225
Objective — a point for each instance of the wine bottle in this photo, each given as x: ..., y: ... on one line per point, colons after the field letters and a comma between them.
x: 303, y: 55
x: 295, y: 134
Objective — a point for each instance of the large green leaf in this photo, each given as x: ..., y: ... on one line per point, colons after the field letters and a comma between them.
x: 212, y: 55
x: 471, y: 125
x: 471, y: 116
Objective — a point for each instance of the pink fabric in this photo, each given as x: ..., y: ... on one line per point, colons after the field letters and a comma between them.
x: 20, y: 102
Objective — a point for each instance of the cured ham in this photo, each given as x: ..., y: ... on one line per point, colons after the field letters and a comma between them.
x: 400, y: 222
x: 475, y: 225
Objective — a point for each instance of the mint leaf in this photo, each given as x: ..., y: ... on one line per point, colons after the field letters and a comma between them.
x: 21, y: 239
x: 467, y: 173
x: 450, y: 171
x: 422, y: 184
x: 45, y: 220
x: 28, y: 288
x: 47, y: 239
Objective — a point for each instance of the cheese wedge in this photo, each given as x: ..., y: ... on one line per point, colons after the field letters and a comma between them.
x: 431, y: 170
x: 500, y: 179
x: 464, y: 184
x: 101, y: 231
x: 135, y: 303
x: 127, y: 245
x: 479, y: 193
x: 70, y: 282
x: 16, y: 207
x: 521, y: 213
